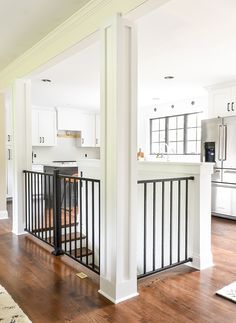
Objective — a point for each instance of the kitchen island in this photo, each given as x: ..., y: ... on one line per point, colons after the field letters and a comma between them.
x: 199, y: 203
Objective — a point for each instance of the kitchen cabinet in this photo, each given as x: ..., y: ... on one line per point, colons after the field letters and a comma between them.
x: 223, y: 197
x: 69, y: 119
x: 222, y: 101
x: 97, y: 130
x: 88, y: 134
x: 43, y: 127
x: 9, y: 172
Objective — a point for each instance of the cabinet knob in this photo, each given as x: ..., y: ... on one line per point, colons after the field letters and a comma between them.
x: 96, y: 141
x: 232, y: 106
x: 40, y: 140
x: 228, y: 107
x: 9, y: 138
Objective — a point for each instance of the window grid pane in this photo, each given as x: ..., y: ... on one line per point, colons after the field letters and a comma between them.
x: 181, y: 133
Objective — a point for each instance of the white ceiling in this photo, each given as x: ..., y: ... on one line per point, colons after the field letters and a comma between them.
x: 75, y: 82
x: 25, y: 22
x: 191, y: 40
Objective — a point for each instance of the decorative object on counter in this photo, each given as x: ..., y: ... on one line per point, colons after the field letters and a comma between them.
x: 140, y: 154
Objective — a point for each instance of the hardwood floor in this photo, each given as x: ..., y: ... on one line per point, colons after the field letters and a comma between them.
x: 49, y: 291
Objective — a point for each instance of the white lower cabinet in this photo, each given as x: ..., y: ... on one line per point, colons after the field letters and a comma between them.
x: 9, y: 172
x: 223, y: 199
x: 43, y: 127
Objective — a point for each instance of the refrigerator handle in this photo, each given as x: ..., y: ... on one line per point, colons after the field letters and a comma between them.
x: 225, y: 143
x: 219, y: 137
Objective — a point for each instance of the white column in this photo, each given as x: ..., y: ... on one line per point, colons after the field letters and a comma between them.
x: 200, y: 218
x: 22, y: 149
x: 3, y: 166
x: 118, y: 280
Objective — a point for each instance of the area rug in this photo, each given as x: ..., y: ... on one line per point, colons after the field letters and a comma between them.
x: 10, y: 312
x: 228, y: 292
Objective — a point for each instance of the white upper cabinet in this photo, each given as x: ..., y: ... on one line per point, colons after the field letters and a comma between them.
x: 43, y: 127
x: 222, y: 101
x: 69, y: 119
x: 97, y: 130
x: 9, y: 131
x: 88, y: 135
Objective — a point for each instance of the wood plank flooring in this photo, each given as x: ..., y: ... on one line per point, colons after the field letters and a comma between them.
x: 49, y: 291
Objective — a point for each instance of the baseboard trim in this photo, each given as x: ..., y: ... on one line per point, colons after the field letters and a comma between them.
x: 3, y: 215
x: 119, y: 300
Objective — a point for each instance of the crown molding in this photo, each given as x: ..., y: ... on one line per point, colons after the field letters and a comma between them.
x: 80, y: 25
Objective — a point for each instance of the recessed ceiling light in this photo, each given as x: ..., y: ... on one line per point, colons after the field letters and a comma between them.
x: 156, y: 99
x: 46, y: 80
x: 169, y: 77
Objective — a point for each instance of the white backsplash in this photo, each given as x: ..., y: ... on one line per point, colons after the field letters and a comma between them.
x: 66, y: 149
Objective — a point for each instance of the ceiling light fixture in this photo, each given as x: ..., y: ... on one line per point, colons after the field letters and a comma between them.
x: 169, y: 77
x: 46, y: 80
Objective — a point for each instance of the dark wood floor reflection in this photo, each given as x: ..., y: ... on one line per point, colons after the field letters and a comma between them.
x: 49, y: 291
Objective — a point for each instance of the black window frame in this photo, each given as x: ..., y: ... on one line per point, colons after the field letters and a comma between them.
x: 185, y: 129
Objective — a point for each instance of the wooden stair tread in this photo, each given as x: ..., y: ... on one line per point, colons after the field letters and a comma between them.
x: 51, y: 228
x: 85, y: 252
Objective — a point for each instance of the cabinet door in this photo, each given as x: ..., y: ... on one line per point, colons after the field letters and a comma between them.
x: 221, y: 199
x: 220, y: 102
x: 47, y: 128
x: 97, y: 128
x: 88, y: 137
x: 69, y: 119
x: 35, y: 128
x: 9, y: 172
x: 233, y: 103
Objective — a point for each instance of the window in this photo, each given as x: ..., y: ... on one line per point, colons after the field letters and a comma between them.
x: 176, y: 135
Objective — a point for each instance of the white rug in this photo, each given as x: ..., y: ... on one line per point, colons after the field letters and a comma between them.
x: 10, y: 312
x: 228, y: 292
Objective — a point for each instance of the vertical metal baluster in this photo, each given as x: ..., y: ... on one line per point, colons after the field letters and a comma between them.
x: 154, y: 226
x: 49, y: 209
x: 179, y: 223
x: 163, y: 225
x: 29, y: 222
x: 43, y: 208
x: 41, y: 196
x: 70, y: 215
x: 186, y: 222
x: 86, y: 210
x: 171, y: 219
x: 93, y: 231
x: 26, y: 206
x: 39, y: 228
x: 75, y: 212
x: 99, y: 222
x: 32, y: 204
x: 145, y: 228
x: 65, y: 222
x: 35, y: 206
x: 81, y: 215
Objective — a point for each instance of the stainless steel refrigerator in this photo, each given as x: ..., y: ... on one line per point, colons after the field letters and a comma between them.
x: 219, y: 146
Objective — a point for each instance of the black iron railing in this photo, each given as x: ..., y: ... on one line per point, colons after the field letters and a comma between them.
x: 64, y: 211
x: 163, y: 229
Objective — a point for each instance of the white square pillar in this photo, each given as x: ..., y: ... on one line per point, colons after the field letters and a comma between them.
x: 118, y: 279
x: 22, y: 149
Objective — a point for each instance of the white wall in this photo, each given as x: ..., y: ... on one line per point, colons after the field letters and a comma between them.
x: 66, y: 149
x: 145, y: 113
